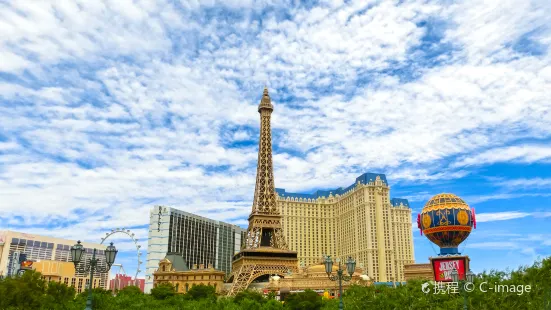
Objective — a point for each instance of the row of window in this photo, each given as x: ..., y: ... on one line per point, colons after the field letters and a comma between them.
x: 186, y: 286
x: 193, y: 238
x: 80, y: 285
x: 188, y: 278
x: 34, y: 243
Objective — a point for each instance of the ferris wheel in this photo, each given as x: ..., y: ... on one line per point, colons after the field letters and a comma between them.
x: 135, y: 240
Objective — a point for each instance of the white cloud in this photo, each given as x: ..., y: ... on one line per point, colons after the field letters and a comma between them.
x: 542, y: 214
x: 12, y: 62
x: 419, y: 196
x: 526, y: 249
x: 500, y: 216
x: 484, y: 28
x: 508, y: 215
x: 532, y: 237
x: 522, y: 154
x: 499, y: 245
x: 533, y: 183
x: 54, y: 31
x: 500, y: 196
x: 114, y: 107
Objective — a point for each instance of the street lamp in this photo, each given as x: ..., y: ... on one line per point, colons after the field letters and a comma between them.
x: 469, y: 278
x: 77, y: 251
x: 340, y: 276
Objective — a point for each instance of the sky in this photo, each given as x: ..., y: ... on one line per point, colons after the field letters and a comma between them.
x: 108, y: 108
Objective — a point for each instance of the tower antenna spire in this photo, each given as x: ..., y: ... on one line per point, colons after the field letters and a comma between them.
x: 266, y: 104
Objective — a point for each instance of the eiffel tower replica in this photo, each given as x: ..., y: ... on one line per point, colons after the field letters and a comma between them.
x: 265, y: 251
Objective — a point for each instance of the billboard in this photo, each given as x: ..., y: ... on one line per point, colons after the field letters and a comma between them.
x: 442, y: 267
x: 26, y: 265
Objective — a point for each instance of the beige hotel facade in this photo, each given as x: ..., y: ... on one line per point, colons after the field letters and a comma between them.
x: 361, y: 221
x: 51, y: 257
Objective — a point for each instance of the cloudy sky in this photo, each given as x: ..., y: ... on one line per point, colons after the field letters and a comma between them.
x: 108, y: 108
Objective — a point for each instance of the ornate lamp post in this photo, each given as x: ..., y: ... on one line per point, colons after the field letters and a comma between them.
x: 77, y: 251
x: 469, y: 278
x: 340, y: 276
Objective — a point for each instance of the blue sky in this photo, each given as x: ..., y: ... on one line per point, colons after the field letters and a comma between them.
x: 110, y: 107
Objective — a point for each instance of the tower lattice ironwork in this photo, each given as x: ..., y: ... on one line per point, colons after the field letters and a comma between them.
x: 265, y: 251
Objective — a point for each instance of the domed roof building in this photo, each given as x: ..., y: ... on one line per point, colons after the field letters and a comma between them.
x: 315, y: 278
x: 446, y: 220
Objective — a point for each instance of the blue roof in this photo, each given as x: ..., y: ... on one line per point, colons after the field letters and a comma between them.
x: 396, y: 202
x: 363, y: 179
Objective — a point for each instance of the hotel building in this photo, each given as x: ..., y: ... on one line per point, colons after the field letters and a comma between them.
x: 174, y: 270
x: 51, y: 257
x: 361, y: 221
x: 120, y: 281
x: 199, y: 240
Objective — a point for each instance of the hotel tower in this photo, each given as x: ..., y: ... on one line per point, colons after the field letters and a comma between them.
x: 361, y: 221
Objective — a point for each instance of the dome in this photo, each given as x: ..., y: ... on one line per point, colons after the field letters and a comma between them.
x: 446, y: 200
x: 320, y: 269
x: 446, y: 220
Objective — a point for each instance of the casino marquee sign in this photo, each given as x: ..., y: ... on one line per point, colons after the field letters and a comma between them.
x: 443, y: 266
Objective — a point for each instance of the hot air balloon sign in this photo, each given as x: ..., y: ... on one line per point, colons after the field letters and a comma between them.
x: 446, y: 220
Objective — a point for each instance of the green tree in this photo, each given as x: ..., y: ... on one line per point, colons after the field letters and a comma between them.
x: 272, y: 304
x: 23, y: 292
x: 250, y: 304
x: 227, y: 303
x: 249, y: 295
x: 201, y: 291
x: 271, y: 295
x: 58, y: 296
x: 163, y: 291
x: 29, y: 291
x: 307, y: 300
x: 130, y: 290
x: 331, y: 304
x: 101, y: 298
x: 410, y: 296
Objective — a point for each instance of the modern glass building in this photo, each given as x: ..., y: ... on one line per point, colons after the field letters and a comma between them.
x: 199, y: 240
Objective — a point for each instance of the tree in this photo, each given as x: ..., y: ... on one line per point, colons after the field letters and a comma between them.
x: 272, y: 304
x: 410, y: 296
x: 29, y: 291
x: 250, y: 304
x: 163, y: 291
x: 271, y: 295
x: 23, y: 292
x: 101, y: 298
x: 249, y: 295
x: 331, y: 304
x: 201, y: 291
x: 307, y: 300
x: 58, y: 296
x: 130, y: 290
